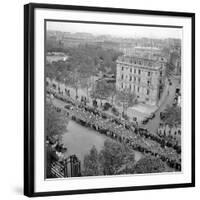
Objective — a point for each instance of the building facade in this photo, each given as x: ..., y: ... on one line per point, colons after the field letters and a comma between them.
x: 144, y: 77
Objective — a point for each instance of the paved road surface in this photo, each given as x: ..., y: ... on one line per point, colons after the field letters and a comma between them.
x: 153, y: 125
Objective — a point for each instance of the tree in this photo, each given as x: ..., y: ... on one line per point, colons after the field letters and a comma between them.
x: 129, y: 163
x: 56, y: 122
x: 86, y: 83
x: 149, y: 165
x: 172, y: 115
x: 73, y: 79
x: 101, y: 90
x: 80, y: 77
x: 91, y: 163
x: 114, y: 156
x: 76, y: 81
x: 112, y: 91
x: 87, y: 59
x: 126, y: 98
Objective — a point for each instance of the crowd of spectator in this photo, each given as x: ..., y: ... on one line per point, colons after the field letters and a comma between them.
x: 165, y: 130
x: 122, y: 130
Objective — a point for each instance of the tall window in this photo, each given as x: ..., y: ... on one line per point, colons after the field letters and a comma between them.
x: 135, y: 71
x: 148, y: 82
x: 139, y: 80
x: 138, y: 89
x: 122, y: 76
x: 134, y: 78
x: 147, y: 91
x: 122, y: 86
x: 130, y: 78
x: 131, y: 70
x: 149, y: 73
x: 139, y: 71
x: 122, y: 68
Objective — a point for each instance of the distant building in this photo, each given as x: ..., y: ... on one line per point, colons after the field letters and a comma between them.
x: 144, y: 77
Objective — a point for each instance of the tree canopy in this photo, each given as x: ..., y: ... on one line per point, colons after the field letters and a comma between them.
x: 126, y: 98
x: 102, y: 90
x: 149, y: 165
x: 172, y: 115
x: 114, y: 158
x: 56, y: 122
x: 91, y: 163
x: 86, y: 59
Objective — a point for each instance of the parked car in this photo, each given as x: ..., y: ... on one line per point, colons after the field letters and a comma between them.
x: 58, y: 109
x: 162, y: 115
x: 125, y: 116
x: 94, y: 103
x: 152, y: 115
x: 145, y: 121
x: 107, y: 106
x: 178, y: 91
x: 115, y: 111
x: 134, y: 118
x: 68, y: 106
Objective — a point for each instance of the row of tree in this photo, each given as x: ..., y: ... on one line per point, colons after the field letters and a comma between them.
x: 85, y: 61
x: 56, y: 124
x: 89, y: 59
x: 104, y: 90
x: 115, y: 158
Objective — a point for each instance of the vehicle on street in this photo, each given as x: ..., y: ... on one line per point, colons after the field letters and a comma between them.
x: 145, y: 121
x: 152, y: 115
x: 68, y: 107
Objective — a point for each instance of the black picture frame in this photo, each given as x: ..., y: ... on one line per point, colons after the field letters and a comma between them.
x: 29, y: 94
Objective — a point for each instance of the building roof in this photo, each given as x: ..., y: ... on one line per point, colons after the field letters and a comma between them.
x: 150, y: 63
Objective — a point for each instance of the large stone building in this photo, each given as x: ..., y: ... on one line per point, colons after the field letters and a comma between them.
x: 145, y: 77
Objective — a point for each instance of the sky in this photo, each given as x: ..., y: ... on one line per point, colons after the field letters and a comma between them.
x: 116, y: 30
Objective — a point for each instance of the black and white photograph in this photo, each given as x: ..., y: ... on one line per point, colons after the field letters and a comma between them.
x: 112, y: 99
x: 98, y: 99
x: 109, y: 100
